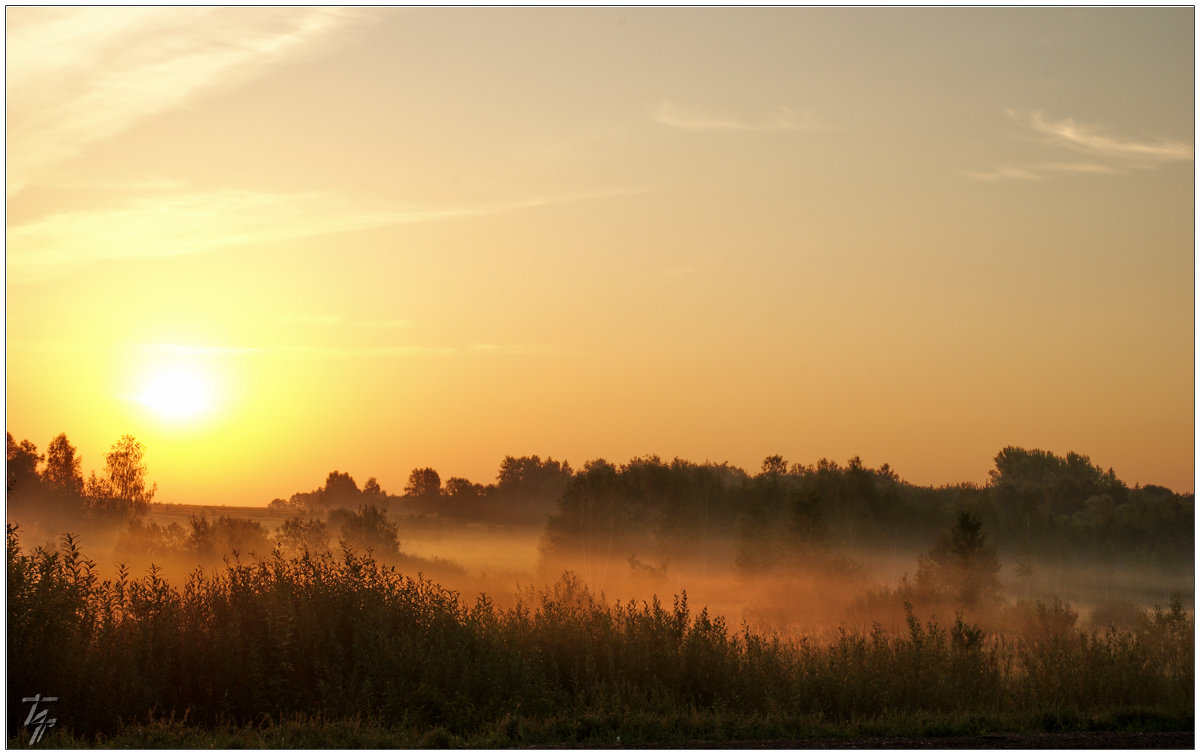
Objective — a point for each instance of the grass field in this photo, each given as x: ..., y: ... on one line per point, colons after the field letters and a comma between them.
x: 318, y: 651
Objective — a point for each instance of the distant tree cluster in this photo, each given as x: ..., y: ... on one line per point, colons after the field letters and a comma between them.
x: 1041, y: 502
x: 339, y: 491
x: 51, y: 487
x: 1034, y: 503
x: 525, y: 492
x: 647, y: 506
x: 650, y: 512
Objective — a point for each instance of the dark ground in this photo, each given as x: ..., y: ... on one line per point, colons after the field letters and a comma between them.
x: 1092, y: 740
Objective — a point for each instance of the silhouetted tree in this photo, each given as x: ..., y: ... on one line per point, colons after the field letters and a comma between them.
x: 461, y: 487
x: 466, y: 499
x: 373, y: 490
x: 588, y: 519
x: 774, y: 465
x: 298, y: 535
x: 424, y: 483
x: 62, y: 472
x: 962, y: 564
x: 367, y: 529
x: 123, y: 486
x: 527, y: 488
x: 21, y: 464
x: 424, y: 490
x: 144, y: 540
x: 227, y: 536
x: 293, y: 504
x: 339, y: 490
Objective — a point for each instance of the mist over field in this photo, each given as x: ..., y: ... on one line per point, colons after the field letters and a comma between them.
x: 792, y: 549
x: 862, y: 341
x: 1053, y: 548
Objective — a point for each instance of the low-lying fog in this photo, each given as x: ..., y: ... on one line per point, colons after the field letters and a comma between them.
x: 854, y: 589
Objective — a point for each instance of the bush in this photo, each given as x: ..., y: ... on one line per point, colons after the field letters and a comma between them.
x: 367, y: 530
x: 351, y: 639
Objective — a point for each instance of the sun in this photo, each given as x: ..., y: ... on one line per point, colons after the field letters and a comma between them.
x: 177, y: 393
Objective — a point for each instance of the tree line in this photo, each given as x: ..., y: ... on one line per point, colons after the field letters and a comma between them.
x: 53, y: 482
x: 1034, y: 504
x: 526, y: 490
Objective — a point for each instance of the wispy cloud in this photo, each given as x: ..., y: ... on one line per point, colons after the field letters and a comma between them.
x: 1039, y: 172
x: 136, y: 185
x: 178, y: 223
x: 783, y: 119
x: 1091, y: 139
x: 340, y: 352
x: 76, y: 76
x: 1006, y: 173
x: 293, y: 351
x: 1077, y: 168
x: 294, y: 318
x: 168, y: 224
x: 1108, y: 154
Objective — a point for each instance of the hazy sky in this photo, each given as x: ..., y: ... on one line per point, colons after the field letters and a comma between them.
x: 271, y: 243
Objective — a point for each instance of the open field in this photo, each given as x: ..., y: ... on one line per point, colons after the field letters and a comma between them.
x: 350, y: 639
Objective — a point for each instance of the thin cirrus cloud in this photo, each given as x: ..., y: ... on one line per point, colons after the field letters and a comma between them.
x: 169, y: 224
x: 1107, y: 154
x: 1038, y: 172
x: 290, y: 351
x: 77, y: 76
x: 340, y: 352
x: 297, y: 318
x: 1090, y: 139
x: 182, y: 223
x: 784, y: 119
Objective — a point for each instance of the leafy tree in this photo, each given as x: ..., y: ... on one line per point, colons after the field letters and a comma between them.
x: 305, y: 501
x: 373, y: 490
x: 527, y: 488
x: 367, y: 529
x: 21, y: 461
x: 228, y: 535
x: 123, y: 486
x: 530, y: 472
x: 61, y: 474
x: 461, y: 487
x: 774, y: 465
x: 424, y: 483
x: 298, y: 535
x: 340, y: 490
x: 280, y: 504
x: 468, y: 500
x: 145, y: 540
x: 962, y: 564
x: 587, y: 518
x: 424, y: 490
x: 1038, y: 484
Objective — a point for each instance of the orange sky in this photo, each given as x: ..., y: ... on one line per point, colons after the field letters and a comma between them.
x: 275, y: 242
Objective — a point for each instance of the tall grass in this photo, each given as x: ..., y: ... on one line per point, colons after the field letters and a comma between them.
x: 348, y: 638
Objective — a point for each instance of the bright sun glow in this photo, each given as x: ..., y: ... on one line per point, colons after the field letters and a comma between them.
x: 177, y: 393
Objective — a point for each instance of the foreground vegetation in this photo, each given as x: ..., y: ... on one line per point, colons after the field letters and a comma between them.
x: 312, y: 650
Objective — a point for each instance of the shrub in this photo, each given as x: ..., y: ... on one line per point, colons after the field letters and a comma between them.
x: 351, y: 639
